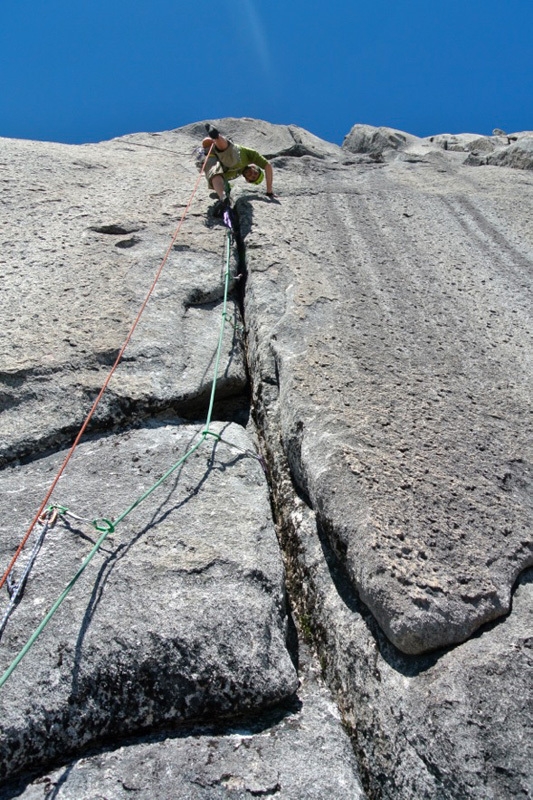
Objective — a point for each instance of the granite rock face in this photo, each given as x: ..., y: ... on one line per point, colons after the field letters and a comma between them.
x: 380, y: 334
x: 398, y: 334
x: 518, y: 154
x: 375, y: 141
x: 501, y: 149
x: 452, y: 724
x: 186, y: 614
x: 298, y: 754
x: 89, y: 228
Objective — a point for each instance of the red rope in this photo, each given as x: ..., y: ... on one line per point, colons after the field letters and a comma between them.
x: 106, y: 382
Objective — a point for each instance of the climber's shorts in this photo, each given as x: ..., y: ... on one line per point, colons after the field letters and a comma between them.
x: 224, y: 161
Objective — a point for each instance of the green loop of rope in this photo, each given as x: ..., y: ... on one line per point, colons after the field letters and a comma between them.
x: 109, y: 526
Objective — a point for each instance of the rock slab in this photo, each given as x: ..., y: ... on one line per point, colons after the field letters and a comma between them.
x: 180, y: 616
x: 298, y: 754
x: 390, y: 312
x: 387, y: 307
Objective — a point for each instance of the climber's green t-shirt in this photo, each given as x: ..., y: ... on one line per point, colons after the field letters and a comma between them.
x: 246, y: 157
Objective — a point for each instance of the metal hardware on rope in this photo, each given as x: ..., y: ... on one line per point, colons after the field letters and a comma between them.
x: 50, y: 515
x: 17, y: 590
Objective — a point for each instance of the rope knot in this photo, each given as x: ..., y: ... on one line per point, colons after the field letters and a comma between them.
x: 107, y: 527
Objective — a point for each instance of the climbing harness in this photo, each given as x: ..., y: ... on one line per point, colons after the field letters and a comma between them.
x: 46, y: 517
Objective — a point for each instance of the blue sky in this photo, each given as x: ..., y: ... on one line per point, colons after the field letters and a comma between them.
x: 88, y: 70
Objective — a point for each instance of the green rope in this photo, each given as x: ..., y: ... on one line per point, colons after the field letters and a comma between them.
x: 109, y: 526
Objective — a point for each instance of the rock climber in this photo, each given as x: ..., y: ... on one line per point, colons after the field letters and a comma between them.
x: 228, y: 160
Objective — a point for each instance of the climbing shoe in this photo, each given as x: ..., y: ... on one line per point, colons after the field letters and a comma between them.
x: 212, y: 132
x: 221, y: 206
